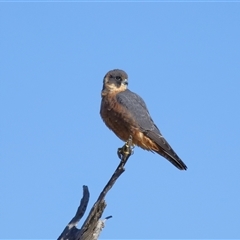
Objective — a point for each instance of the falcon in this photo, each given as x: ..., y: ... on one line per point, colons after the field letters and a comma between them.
x: 126, y: 114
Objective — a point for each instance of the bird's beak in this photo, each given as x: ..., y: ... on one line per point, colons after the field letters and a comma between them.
x: 125, y: 82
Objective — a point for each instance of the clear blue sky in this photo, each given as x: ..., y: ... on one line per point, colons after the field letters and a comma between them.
x: 182, y: 58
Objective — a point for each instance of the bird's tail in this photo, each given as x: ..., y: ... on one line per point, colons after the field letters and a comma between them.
x: 173, y: 158
x: 164, y: 149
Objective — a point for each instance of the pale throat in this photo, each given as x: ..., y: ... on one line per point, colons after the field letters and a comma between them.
x: 112, y: 88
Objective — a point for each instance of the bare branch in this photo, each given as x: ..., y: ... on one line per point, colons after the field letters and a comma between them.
x: 71, y: 229
x: 93, y: 225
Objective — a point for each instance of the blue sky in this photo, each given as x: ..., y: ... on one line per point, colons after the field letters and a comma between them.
x: 182, y: 58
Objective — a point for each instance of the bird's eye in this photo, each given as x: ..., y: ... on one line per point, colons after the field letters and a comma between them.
x: 118, y: 78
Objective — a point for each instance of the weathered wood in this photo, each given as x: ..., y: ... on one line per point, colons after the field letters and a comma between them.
x: 71, y: 230
x: 93, y: 225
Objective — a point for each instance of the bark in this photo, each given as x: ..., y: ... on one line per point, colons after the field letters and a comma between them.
x: 93, y: 224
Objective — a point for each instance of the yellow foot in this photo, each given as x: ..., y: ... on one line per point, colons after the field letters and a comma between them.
x: 126, y: 150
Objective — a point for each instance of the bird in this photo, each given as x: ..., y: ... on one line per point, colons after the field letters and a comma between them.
x: 126, y: 114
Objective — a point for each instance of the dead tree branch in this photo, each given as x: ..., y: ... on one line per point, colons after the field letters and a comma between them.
x: 93, y: 225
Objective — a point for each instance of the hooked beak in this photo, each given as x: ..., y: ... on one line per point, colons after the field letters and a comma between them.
x: 125, y: 82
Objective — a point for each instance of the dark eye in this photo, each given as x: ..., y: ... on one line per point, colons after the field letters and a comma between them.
x: 118, y: 78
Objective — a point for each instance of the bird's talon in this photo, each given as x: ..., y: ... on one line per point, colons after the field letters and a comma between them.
x: 126, y: 150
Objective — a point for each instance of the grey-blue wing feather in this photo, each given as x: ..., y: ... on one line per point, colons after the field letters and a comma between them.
x: 138, y: 109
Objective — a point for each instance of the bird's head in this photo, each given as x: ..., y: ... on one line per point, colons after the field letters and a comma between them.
x: 115, y: 81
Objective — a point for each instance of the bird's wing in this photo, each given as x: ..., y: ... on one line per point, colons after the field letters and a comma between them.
x: 137, y: 109
x: 139, y: 112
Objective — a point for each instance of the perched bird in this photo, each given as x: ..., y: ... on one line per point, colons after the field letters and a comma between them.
x: 126, y: 114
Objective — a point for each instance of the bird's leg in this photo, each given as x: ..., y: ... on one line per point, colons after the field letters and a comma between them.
x: 126, y: 150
